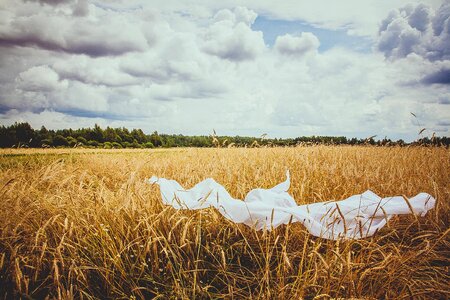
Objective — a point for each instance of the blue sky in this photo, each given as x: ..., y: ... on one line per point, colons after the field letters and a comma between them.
x: 273, y: 28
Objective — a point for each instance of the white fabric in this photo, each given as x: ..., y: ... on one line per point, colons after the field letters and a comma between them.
x: 356, y: 217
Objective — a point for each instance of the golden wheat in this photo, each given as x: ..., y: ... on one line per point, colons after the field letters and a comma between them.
x: 85, y: 224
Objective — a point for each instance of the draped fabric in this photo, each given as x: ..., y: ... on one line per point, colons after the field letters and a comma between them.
x: 358, y: 216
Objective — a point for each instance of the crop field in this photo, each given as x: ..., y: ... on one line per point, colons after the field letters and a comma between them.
x: 86, y: 224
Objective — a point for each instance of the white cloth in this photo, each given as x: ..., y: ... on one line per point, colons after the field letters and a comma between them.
x: 356, y: 217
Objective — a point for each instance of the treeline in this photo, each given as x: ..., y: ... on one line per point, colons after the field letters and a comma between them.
x: 23, y: 135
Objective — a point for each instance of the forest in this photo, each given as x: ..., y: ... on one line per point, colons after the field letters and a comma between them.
x: 22, y: 135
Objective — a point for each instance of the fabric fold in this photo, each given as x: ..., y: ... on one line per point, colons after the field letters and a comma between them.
x: 356, y: 217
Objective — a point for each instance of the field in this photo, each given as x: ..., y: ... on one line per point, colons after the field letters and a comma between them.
x: 85, y: 224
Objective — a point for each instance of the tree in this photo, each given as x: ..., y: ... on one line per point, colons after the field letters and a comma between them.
x: 93, y: 143
x: 7, y: 137
x: 149, y: 145
x: 71, y: 141
x: 124, y: 135
x: 127, y: 145
x: 82, y: 140
x: 155, y: 139
x: 24, y: 132
x: 136, y: 144
x: 23, y: 135
x: 110, y: 135
x: 139, y: 136
x: 59, y: 140
x: 116, y: 145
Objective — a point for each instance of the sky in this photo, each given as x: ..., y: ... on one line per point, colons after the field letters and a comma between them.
x: 282, y: 68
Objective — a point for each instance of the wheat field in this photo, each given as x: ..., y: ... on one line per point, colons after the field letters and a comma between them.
x: 85, y: 224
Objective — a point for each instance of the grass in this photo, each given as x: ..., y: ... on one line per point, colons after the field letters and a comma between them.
x: 85, y: 224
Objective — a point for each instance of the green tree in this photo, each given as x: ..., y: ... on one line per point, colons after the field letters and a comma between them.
x: 149, y: 145
x: 93, y: 143
x: 139, y: 136
x: 7, y: 137
x: 71, y: 141
x: 82, y: 140
x: 59, y: 140
x: 116, y: 145
x: 155, y: 139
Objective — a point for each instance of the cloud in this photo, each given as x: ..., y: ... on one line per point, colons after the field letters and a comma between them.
x: 419, y: 18
x: 237, y: 15
x: 178, y: 58
x: 444, y: 100
x: 52, y: 2
x: 443, y: 123
x: 188, y: 68
x: 439, y: 48
x: 230, y: 36
x: 399, y: 39
x: 297, y: 45
x: 81, y: 8
x: 100, y: 71
x: 39, y: 79
x: 39, y: 88
x: 417, y: 30
x: 440, y: 20
x: 106, y: 34
x: 439, y: 77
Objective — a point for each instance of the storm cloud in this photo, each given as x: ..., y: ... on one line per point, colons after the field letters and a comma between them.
x: 439, y: 77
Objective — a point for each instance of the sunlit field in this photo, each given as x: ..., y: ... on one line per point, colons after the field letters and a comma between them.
x: 86, y: 224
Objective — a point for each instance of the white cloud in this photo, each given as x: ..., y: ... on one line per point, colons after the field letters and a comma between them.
x: 230, y: 36
x: 297, y: 45
x: 190, y: 68
x: 39, y: 79
x: 178, y: 58
x: 357, y: 17
x: 100, y: 71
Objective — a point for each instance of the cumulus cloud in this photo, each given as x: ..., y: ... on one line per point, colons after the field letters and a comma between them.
x: 297, y: 45
x: 230, y: 36
x: 179, y: 58
x: 421, y: 31
x: 40, y: 88
x: 440, y: 19
x: 417, y: 30
x: 419, y: 18
x: 39, y: 79
x: 399, y: 39
x: 100, y: 71
x: 110, y: 33
x: 237, y: 15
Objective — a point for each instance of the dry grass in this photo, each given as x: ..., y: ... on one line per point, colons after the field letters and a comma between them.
x: 77, y: 224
